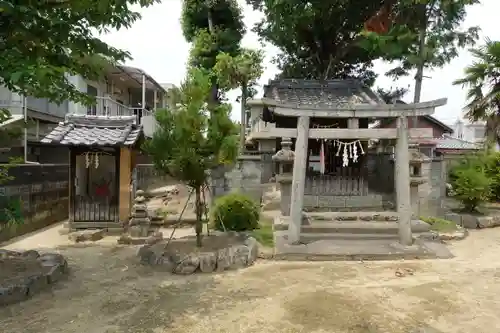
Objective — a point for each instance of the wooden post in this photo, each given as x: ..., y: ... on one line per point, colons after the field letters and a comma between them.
x: 72, y: 186
x: 124, y: 199
x: 298, y: 179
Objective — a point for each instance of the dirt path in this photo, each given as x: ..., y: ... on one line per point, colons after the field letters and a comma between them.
x: 108, y: 292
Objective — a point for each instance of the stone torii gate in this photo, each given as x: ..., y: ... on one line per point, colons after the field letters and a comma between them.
x: 353, y: 113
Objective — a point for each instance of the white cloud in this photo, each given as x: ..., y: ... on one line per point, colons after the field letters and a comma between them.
x: 158, y: 47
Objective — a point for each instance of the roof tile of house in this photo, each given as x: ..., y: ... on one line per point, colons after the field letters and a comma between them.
x: 330, y: 93
x: 448, y: 142
x: 95, y: 131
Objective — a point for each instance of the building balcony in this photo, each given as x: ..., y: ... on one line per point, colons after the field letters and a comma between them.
x: 108, y: 107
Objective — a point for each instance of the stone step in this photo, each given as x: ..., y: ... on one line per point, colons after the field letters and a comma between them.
x: 356, y: 227
x: 382, y: 216
x: 313, y: 237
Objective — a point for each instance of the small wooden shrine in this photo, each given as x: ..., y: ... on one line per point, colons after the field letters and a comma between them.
x: 102, y: 159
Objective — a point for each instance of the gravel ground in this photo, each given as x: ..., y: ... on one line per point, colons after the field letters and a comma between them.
x: 109, y: 292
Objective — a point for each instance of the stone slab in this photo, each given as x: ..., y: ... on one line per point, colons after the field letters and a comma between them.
x: 89, y: 235
x: 342, y: 250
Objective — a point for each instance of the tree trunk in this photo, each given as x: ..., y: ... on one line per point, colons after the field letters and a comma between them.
x: 199, y: 212
x: 243, y: 115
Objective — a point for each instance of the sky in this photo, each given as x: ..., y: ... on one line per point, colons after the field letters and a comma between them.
x: 158, y: 47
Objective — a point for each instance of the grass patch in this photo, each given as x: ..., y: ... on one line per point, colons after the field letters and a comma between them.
x: 264, y: 234
x: 440, y: 225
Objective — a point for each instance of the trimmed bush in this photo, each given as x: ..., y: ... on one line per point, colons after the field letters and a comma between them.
x: 471, y: 185
x: 236, y: 212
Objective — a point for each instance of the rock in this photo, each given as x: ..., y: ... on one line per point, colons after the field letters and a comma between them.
x: 430, y: 236
x: 146, y: 255
x: 13, y: 293
x: 54, y: 273
x: 155, y: 238
x: 454, y: 217
x: 165, y: 262
x: 51, y: 267
x: 7, y: 254
x: 456, y: 235
x: 208, y: 262
x: 488, y: 221
x: 253, y: 250
x: 31, y: 254
x: 241, y: 253
x: 91, y: 235
x: 36, y: 283
x: 186, y: 265
x: 224, y: 260
x: 469, y: 221
x: 54, y: 258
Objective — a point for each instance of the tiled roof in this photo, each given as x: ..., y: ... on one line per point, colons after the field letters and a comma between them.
x: 448, y: 142
x: 330, y: 93
x: 95, y: 131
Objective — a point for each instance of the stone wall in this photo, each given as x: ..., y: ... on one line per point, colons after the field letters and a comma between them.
x: 36, y: 196
x: 245, y: 176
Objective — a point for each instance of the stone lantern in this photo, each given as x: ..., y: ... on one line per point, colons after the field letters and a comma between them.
x: 419, y: 177
x: 285, y: 158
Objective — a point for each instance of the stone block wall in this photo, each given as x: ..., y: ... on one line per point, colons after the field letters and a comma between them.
x: 245, y: 176
x: 35, y: 197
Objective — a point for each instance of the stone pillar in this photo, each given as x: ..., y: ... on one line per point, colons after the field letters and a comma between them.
x: 285, y: 157
x: 124, y: 198
x: 419, y: 176
x: 298, y: 179
x: 402, y: 178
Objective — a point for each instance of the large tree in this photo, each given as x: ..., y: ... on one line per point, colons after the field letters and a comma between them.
x: 482, y: 79
x: 43, y: 41
x: 326, y: 39
x: 317, y: 39
x: 421, y: 35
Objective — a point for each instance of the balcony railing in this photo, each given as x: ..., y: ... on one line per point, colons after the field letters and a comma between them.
x: 106, y: 106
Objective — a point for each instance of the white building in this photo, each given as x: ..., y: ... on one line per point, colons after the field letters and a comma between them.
x: 123, y: 91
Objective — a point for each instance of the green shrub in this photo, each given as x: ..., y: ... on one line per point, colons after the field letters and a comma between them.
x: 471, y: 185
x: 236, y: 212
x: 492, y: 169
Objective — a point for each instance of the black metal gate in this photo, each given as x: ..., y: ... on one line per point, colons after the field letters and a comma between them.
x: 95, y: 188
x: 86, y: 209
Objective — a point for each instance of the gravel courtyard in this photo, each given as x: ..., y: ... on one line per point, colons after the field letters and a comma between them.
x: 109, y: 292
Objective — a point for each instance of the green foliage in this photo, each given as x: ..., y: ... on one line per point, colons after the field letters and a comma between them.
x: 444, y: 36
x: 192, y: 138
x: 392, y: 95
x: 213, y: 27
x: 325, y: 39
x: 236, y: 212
x: 438, y: 224
x: 42, y: 41
x: 318, y: 39
x: 264, y: 232
x: 471, y: 185
x: 482, y: 79
x: 492, y: 170
x: 243, y: 69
